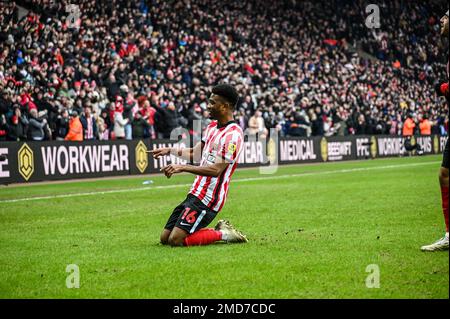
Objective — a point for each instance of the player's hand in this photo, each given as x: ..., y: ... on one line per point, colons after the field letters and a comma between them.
x: 157, y: 153
x: 171, y: 169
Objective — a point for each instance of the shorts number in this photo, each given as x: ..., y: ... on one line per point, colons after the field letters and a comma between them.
x: 189, y: 215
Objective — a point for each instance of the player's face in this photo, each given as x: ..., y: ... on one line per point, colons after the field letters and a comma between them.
x: 444, y: 25
x: 215, y: 106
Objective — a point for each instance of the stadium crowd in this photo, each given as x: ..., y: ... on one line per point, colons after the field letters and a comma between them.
x: 132, y: 69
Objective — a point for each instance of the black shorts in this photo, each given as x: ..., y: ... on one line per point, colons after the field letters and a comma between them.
x: 191, y: 215
x: 445, y: 160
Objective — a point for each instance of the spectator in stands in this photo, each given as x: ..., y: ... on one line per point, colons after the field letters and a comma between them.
x: 119, y: 123
x: 256, y: 125
x: 149, y: 115
x: 75, y: 128
x: 316, y: 121
x: 89, y: 124
x: 128, y: 110
x: 140, y: 126
x: 168, y: 118
x: 104, y: 125
x: 3, y: 128
x: 103, y: 131
x: 62, y: 125
x: 36, y: 126
x: 409, y: 125
x: 17, y: 129
x: 425, y: 125
x: 242, y: 119
x: 298, y: 125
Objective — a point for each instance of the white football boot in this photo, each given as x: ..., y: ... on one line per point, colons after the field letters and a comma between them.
x: 441, y: 244
x: 229, y: 233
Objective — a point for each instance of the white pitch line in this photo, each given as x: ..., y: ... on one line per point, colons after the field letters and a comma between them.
x: 242, y: 180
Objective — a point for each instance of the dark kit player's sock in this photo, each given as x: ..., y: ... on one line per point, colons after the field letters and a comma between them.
x: 444, y: 193
x: 202, y: 237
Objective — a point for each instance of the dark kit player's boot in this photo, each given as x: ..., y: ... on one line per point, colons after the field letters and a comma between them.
x: 441, y: 244
x: 229, y: 233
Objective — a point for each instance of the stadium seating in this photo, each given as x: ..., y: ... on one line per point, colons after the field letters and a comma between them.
x: 146, y: 69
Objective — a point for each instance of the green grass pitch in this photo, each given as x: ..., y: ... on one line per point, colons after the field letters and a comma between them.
x: 313, y: 230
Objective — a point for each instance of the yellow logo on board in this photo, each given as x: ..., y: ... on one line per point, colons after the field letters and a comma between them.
x: 141, y: 157
x: 413, y: 142
x: 272, y: 151
x: 373, y: 147
x: 436, y: 144
x: 324, y: 149
x: 26, y: 162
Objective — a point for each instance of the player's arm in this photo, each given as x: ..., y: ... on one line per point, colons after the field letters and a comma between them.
x: 213, y: 170
x: 227, y: 155
x: 188, y: 154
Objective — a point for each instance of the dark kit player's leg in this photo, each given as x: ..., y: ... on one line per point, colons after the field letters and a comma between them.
x: 443, y: 243
x: 443, y: 180
x: 443, y: 90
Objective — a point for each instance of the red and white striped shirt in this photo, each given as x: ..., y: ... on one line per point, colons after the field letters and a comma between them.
x: 225, y: 142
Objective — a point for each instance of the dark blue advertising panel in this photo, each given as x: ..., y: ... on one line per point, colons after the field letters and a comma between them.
x: 22, y: 162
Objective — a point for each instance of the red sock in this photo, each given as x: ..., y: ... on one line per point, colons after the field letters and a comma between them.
x: 202, y: 237
x: 444, y: 194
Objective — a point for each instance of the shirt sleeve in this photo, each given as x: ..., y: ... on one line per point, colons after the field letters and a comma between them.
x: 230, y: 146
